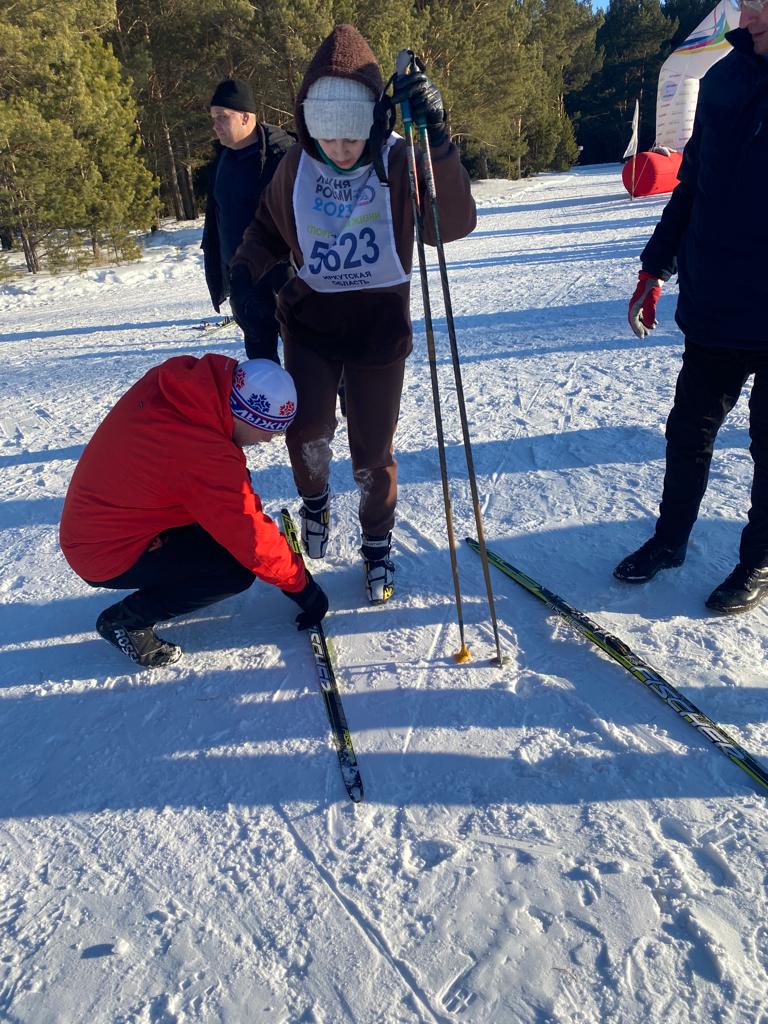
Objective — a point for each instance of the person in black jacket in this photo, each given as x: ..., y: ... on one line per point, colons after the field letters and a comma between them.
x: 247, y: 154
x: 714, y: 233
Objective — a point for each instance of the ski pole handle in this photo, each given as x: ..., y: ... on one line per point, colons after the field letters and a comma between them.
x: 404, y: 60
x: 406, y: 63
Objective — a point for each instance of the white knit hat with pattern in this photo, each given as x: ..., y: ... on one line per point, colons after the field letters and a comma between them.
x: 263, y: 394
x: 338, y: 108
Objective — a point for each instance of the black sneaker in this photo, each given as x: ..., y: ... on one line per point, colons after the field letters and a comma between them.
x: 118, y: 626
x: 316, y: 524
x: 643, y: 564
x: 742, y: 590
x: 379, y: 568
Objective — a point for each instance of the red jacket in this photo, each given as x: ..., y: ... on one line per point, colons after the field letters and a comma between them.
x: 164, y: 457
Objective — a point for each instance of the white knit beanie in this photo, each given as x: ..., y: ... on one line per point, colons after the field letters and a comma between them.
x: 263, y: 394
x: 338, y: 108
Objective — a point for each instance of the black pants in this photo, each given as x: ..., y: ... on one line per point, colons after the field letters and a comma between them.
x: 255, y: 314
x: 182, y: 570
x: 708, y: 387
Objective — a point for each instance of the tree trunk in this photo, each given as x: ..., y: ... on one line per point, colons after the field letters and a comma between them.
x: 30, y: 251
x: 27, y: 239
x: 185, y: 183
x: 187, y: 196
x: 173, y: 180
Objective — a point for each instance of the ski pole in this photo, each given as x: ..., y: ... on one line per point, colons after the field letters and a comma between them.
x: 407, y: 64
x: 463, y: 654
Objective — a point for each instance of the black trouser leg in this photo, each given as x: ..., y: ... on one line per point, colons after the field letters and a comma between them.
x: 708, y: 387
x: 256, y: 317
x: 183, y: 570
x: 753, y: 549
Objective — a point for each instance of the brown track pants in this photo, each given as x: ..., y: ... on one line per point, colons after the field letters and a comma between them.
x: 373, y: 406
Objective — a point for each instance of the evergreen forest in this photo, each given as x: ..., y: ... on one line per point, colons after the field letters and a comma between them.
x: 104, y: 126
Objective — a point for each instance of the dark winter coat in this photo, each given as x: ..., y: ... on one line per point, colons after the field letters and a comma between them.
x: 714, y: 230
x: 256, y: 165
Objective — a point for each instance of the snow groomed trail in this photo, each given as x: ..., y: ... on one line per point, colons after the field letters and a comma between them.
x: 543, y: 842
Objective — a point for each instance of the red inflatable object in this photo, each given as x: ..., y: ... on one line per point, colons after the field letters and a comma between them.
x: 654, y: 173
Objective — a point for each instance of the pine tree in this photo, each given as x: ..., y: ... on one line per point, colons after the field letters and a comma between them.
x: 69, y: 162
x: 38, y: 160
x: 117, y: 189
x: 635, y: 39
x: 688, y: 14
x: 474, y: 51
x: 175, y: 53
x: 566, y: 33
x: 288, y: 33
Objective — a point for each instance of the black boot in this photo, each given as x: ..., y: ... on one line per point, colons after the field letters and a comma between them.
x: 643, y: 564
x: 742, y: 590
x: 315, y: 515
x: 379, y: 568
x: 119, y: 626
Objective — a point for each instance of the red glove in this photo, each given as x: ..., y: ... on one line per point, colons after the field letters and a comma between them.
x: 642, y: 305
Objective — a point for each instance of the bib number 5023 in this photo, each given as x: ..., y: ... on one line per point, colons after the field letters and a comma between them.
x: 344, y: 255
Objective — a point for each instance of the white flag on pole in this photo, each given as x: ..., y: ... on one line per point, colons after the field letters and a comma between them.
x: 631, y: 149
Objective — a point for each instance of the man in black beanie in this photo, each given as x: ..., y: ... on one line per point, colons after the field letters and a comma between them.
x: 247, y: 153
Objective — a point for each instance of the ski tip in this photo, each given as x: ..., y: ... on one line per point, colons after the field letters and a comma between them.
x: 463, y: 655
x: 356, y: 794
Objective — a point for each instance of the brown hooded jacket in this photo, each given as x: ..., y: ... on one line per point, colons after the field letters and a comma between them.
x: 372, y: 326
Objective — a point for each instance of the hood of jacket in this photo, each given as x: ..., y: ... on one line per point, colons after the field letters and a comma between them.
x: 198, y: 390
x: 343, y: 54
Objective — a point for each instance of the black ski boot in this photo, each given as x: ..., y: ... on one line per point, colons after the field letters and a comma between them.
x: 742, y: 590
x: 119, y: 626
x: 379, y: 568
x: 315, y: 515
x: 643, y: 564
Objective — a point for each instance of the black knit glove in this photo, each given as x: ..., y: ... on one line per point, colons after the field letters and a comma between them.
x: 313, y: 604
x: 425, y: 101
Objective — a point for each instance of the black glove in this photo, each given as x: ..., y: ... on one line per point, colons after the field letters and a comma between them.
x: 425, y: 101
x: 313, y: 604
x: 240, y: 285
x: 253, y: 307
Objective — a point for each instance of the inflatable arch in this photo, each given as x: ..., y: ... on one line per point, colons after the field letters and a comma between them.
x: 655, y: 172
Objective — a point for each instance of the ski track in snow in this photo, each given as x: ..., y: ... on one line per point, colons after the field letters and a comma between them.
x: 542, y: 843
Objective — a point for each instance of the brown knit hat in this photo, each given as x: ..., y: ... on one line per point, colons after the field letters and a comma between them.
x: 343, y: 54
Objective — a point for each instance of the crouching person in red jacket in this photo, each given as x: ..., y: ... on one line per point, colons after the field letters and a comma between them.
x: 161, y: 500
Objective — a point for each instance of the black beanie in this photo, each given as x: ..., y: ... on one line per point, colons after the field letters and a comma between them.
x: 235, y: 94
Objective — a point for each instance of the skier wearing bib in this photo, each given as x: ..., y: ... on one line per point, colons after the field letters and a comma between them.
x: 339, y: 204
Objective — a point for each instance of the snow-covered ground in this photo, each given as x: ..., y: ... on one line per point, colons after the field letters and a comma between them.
x: 543, y: 842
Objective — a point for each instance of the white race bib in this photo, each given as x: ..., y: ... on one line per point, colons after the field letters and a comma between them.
x: 344, y: 227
